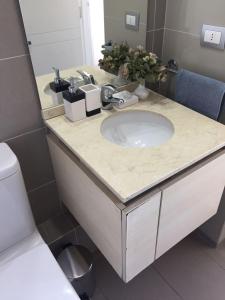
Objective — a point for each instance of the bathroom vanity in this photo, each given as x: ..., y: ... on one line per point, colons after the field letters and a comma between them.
x: 136, y: 203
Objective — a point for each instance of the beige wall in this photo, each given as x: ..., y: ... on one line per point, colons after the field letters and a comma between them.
x: 21, y: 124
x: 184, y: 19
x: 115, y: 21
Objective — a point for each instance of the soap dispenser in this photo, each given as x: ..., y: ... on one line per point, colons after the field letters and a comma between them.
x: 74, y: 102
x: 93, y: 99
x: 58, y: 86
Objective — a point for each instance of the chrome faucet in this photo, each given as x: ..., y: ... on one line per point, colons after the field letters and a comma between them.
x: 57, y: 79
x: 88, y: 78
x: 107, y: 92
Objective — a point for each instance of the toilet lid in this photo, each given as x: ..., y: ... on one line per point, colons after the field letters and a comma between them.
x: 34, y: 275
x: 8, y: 162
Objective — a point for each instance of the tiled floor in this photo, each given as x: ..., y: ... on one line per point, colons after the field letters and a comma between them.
x: 190, y: 271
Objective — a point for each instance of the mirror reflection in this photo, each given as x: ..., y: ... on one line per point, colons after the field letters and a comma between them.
x: 65, y: 39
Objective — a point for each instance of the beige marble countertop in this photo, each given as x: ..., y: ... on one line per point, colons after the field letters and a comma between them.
x: 128, y: 172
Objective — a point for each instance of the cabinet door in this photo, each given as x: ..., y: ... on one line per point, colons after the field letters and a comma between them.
x: 189, y: 201
x: 141, y: 226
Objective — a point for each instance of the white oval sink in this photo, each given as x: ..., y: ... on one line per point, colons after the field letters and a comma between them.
x: 137, y: 129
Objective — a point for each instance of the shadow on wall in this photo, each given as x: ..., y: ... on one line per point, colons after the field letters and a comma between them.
x: 214, y: 229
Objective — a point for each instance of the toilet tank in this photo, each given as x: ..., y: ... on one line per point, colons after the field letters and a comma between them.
x: 16, y: 220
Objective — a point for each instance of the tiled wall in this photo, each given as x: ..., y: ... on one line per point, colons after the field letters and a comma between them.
x: 115, y: 21
x: 155, y: 26
x: 184, y: 19
x: 152, y: 23
x: 21, y: 124
x: 183, y: 24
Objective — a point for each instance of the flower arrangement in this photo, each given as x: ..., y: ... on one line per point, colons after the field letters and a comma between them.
x: 132, y: 64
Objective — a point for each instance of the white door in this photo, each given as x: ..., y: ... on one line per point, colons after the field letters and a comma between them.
x: 54, y: 32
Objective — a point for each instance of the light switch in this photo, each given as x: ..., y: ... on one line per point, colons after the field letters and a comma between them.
x: 132, y: 20
x: 212, y: 37
x: 128, y: 21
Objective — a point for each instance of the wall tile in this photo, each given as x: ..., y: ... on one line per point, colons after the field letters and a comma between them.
x: 33, y: 155
x: 56, y: 228
x: 158, y: 42
x: 21, y: 123
x: 84, y: 240
x: 45, y: 202
x: 149, y: 40
x: 186, y: 50
x: 58, y: 246
x: 184, y: 20
x: 111, y: 9
x: 160, y: 14
x: 189, y: 15
x: 116, y: 31
x: 151, y: 15
x: 12, y: 32
x: 19, y: 106
x: 155, y: 27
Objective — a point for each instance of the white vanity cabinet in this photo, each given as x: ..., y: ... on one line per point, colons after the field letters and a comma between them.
x: 132, y: 235
x: 190, y: 200
x: 126, y: 235
x: 140, y: 225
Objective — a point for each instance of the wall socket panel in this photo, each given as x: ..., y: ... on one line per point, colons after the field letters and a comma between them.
x: 213, y: 37
x: 132, y: 20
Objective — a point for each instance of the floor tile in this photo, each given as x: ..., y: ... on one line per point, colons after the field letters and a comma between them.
x: 191, y: 272
x: 98, y: 295
x: 147, y: 286
x: 217, y: 254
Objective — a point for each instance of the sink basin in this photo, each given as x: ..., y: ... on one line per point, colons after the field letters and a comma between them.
x: 137, y: 129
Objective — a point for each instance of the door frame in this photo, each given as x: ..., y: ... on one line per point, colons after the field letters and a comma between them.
x: 89, y: 30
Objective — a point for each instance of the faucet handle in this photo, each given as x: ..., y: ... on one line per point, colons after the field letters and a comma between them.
x: 88, y: 78
x: 57, y: 75
x: 73, y: 85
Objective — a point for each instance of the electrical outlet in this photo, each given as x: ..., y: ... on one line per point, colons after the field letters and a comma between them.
x: 213, y: 37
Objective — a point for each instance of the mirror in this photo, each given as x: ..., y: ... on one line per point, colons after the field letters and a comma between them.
x: 69, y: 34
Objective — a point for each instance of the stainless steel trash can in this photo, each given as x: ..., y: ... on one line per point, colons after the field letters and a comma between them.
x: 77, y: 264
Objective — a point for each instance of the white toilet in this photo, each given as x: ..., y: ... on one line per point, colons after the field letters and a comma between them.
x: 28, y: 270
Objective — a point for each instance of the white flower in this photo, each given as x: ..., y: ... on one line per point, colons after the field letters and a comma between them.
x: 152, y: 55
x: 140, y: 48
x: 146, y: 58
